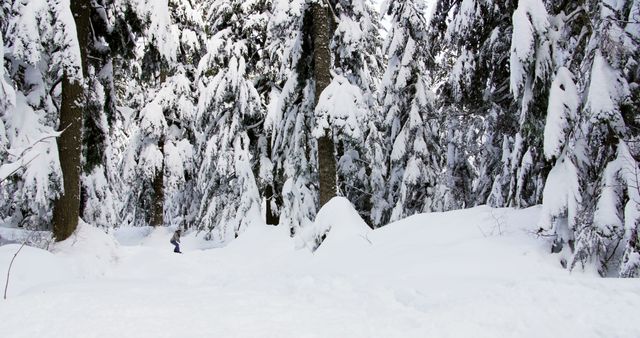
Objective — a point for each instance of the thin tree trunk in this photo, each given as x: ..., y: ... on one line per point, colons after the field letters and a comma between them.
x: 272, y: 215
x: 66, y: 208
x: 157, y: 206
x: 157, y: 212
x: 272, y: 196
x: 322, y: 66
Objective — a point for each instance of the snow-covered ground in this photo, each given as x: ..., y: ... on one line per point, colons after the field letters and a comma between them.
x: 470, y: 273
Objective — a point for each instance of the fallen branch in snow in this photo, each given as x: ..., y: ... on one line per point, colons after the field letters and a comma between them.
x: 541, y: 232
x: 497, y: 227
x: 481, y: 231
x: 366, y: 237
x: 498, y: 224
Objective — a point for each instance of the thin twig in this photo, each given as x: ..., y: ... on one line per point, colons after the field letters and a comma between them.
x: 367, y: 239
x: 24, y: 151
x: 6, y: 284
x: 498, y: 221
x: 483, y: 234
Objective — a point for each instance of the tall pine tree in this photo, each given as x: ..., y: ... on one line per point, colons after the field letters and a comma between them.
x: 411, y: 122
x: 228, y: 105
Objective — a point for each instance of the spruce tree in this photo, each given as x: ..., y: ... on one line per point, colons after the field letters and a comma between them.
x: 100, y: 184
x: 7, y: 99
x: 290, y: 119
x: 472, y: 39
x: 531, y: 69
x: 157, y: 164
x: 31, y: 115
x: 591, y: 197
x: 228, y: 104
x: 411, y: 121
x: 357, y: 61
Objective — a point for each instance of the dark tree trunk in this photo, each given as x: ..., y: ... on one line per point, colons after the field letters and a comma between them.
x: 272, y: 215
x: 66, y: 208
x: 157, y: 205
x: 272, y: 196
x: 322, y: 65
x: 157, y: 212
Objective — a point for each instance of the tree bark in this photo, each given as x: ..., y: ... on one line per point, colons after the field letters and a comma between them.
x: 157, y: 205
x: 272, y: 216
x: 66, y: 209
x: 272, y: 195
x: 157, y: 212
x: 322, y: 66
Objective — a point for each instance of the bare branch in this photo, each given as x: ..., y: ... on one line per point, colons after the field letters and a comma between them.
x: 6, y: 284
x: 53, y: 87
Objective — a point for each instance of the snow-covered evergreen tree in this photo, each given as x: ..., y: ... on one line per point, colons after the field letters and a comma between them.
x: 410, y: 119
x: 228, y: 105
x: 471, y: 39
x: 290, y: 118
x: 7, y: 99
x: 39, y: 46
x: 531, y: 70
x: 591, y: 197
x: 163, y: 143
x: 100, y: 177
x: 158, y: 163
x: 349, y: 106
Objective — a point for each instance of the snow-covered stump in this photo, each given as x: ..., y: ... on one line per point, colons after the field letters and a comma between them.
x: 338, y: 228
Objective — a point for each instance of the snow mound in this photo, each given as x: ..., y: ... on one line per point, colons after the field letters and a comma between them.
x: 158, y: 237
x: 129, y: 235
x: 89, y: 250
x: 260, y: 248
x: 343, y: 226
x: 265, y: 237
x: 31, y: 267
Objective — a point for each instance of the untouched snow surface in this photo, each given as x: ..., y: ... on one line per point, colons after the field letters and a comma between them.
x: 469, y: 273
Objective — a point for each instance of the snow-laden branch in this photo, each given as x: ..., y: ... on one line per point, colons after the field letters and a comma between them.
x: 9, y: 169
